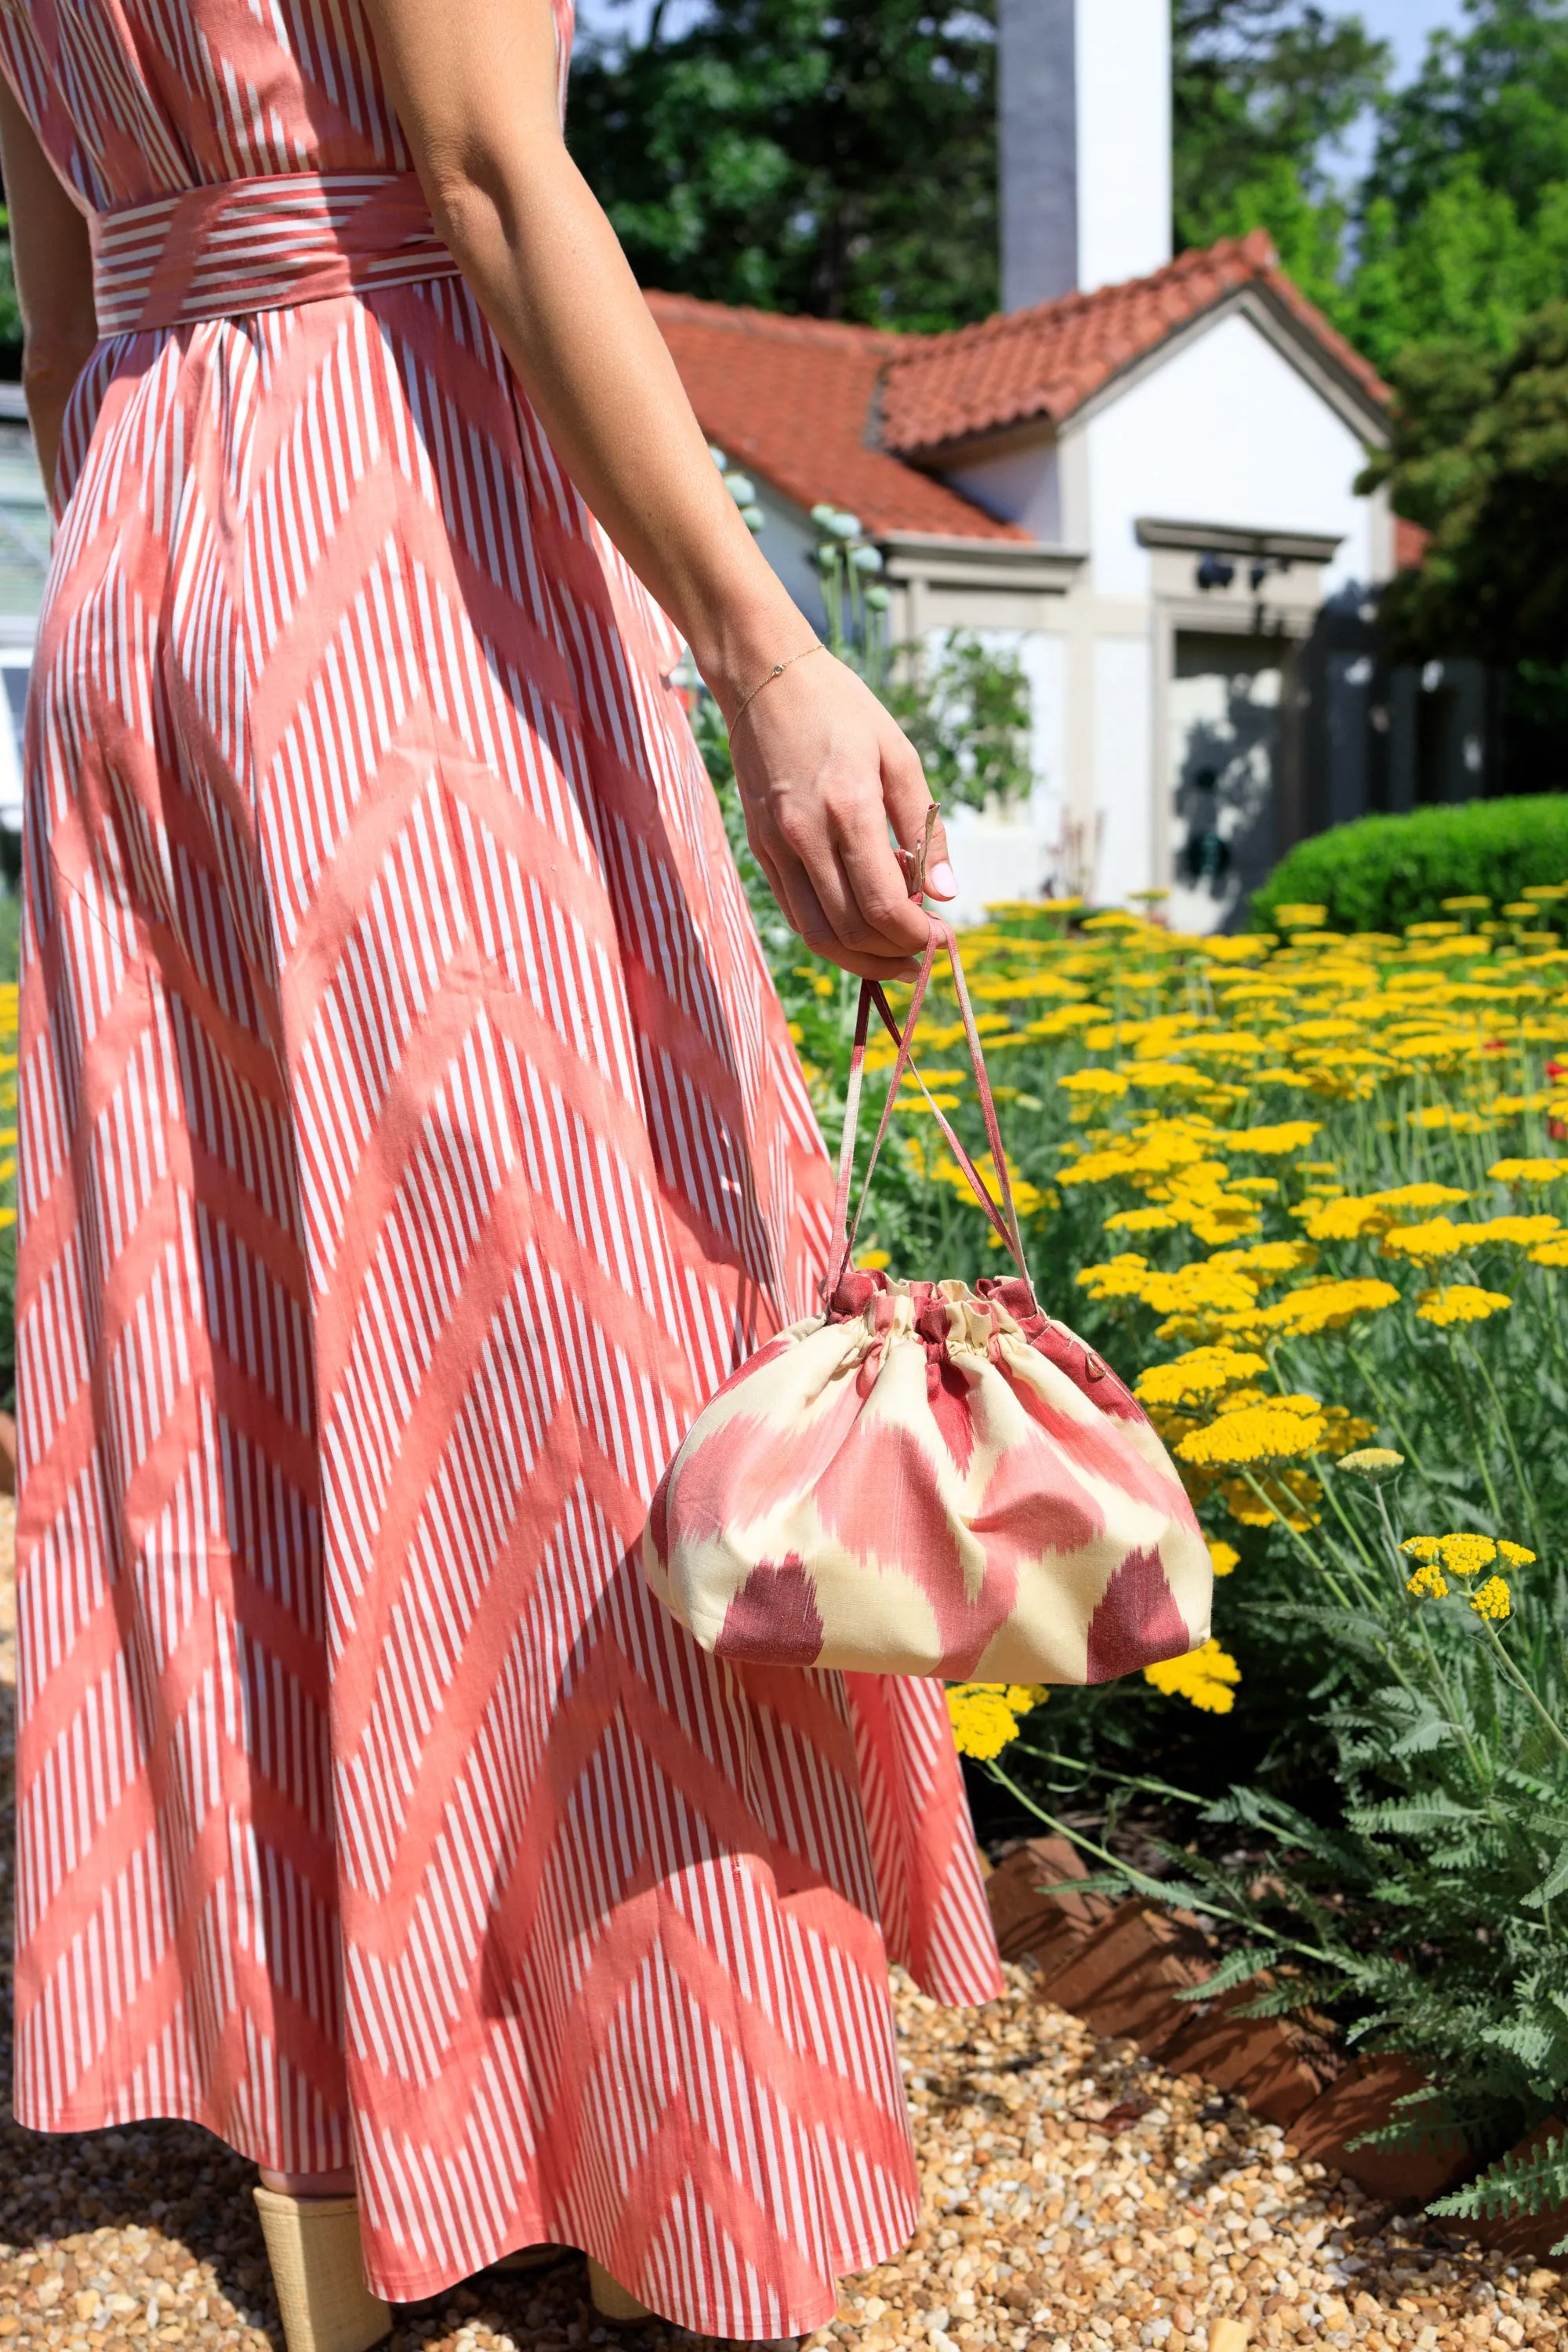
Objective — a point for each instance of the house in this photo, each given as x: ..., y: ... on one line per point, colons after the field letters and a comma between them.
x: 1141, y: 475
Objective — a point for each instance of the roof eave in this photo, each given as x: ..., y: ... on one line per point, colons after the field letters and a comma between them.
x: 1024, y: 431
x: 942, y: 560
x: 1270, y: 311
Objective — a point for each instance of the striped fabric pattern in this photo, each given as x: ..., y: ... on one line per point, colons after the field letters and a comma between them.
x: 256, y: 245
x: 410, y: 1142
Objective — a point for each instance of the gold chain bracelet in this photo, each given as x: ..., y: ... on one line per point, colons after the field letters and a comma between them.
x: 777, y: 671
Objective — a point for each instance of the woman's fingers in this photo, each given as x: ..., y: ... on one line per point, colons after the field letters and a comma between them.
x: 877, y: 907
x: 908, y: 798
x: 797, y: 893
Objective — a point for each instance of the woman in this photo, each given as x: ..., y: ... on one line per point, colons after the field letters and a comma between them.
x: 411, y: 1141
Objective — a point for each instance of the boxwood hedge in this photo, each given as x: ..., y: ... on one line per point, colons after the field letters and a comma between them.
x: 1383, y: 872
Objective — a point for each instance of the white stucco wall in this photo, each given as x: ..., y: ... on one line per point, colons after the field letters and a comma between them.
x: 1123, y: 755
x: 1228, y: 431
x: 1225, y: 431
x: 1123, y: 61
x: 1022, y: 486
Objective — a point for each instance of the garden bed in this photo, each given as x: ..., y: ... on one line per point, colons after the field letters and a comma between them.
x: 1305, y: 1191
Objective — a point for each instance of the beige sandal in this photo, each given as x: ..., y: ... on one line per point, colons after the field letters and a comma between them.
x: 318, y: 2271
x: 609, y: 2297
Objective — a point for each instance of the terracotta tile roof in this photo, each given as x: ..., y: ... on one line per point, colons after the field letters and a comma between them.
x: 1046, y: 362
x: 1411, y: 541
x: 794, y: 400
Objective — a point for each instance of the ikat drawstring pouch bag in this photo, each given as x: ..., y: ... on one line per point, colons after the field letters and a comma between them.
x: 926, y: 1478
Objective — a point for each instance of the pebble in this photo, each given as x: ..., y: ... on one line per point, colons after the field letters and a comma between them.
x: 1076, y: 2199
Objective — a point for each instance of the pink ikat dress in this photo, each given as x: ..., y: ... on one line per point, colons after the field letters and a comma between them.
x: 410, y: 1142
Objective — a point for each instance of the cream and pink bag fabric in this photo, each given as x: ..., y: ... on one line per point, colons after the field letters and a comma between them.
x: 927, y: 1479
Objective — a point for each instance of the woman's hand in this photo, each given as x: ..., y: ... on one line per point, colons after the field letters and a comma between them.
x: 823, y: 771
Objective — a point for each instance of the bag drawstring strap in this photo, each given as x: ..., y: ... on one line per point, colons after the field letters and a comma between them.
x: 1004, y: 1221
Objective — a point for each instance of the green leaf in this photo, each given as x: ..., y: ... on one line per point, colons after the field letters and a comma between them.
x: 1532, y: 2182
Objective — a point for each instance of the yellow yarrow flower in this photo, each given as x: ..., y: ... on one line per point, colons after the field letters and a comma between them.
x: 1222, y: 1556
x: 1440, y: 1237
x: 1121, y: 1278
x: 1461, y: 1302
x: 1205, y: 1678
x: 1527, y: 1171
x: 1442, y: 1119
x: 1523, y: 1233
x: 984, y: 1716
x: 1351, y: 1219
x: 1428, y: 1583
x: 1373, y: 1462
x: 1493, y: 1600
x: 1466, y: 1554
x: 1203, y: 1372
x: 1295, y: 917
x: 1280, y: 1431
x: 1273, y: 1142
x: 1326, y: 1307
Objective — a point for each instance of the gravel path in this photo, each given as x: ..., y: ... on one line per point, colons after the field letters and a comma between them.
x: 1076, y: 2198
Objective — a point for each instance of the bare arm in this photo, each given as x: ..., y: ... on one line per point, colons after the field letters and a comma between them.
x: 53, y: 278
x: 821, y: 766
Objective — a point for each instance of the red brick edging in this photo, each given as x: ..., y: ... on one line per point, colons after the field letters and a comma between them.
x: 1119, y: 1966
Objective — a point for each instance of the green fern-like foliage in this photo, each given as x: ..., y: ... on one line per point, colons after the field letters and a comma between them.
x: 1427, y: 1911
x: 1528, y: 2181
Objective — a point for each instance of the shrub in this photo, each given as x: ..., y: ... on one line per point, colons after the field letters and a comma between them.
x: 1383, y: 872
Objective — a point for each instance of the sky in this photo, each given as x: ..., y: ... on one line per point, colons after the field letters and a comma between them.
x: 1405, y: 22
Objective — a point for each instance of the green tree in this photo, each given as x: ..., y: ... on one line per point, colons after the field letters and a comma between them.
x: 841, y: 158
x: 1491, y: 100
x: 1465, y: 268
x: 1479, y: 455
x: 1261, y: 90
x: 796, y: 155
x: 1463, y: 226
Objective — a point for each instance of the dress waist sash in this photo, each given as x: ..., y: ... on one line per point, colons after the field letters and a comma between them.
x: 239, y: 246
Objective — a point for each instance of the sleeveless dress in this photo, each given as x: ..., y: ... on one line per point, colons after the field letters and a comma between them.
x: 410, y: 1142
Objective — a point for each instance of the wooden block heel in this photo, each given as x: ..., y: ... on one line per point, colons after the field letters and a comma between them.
x: 318, y: 2272
x: 609, y: 2298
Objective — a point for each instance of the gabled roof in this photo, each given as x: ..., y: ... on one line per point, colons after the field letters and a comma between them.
x: 852, y: 414
x: 1046, y: 362
x: 794, y: 400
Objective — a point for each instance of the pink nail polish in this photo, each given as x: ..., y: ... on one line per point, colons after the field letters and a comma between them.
x: 942, y: 881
